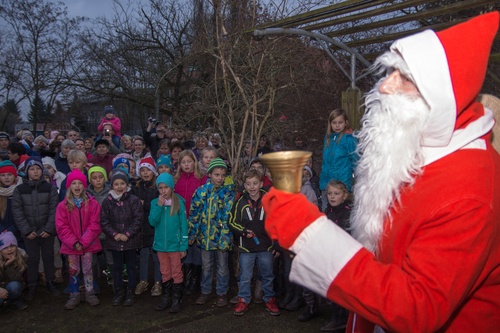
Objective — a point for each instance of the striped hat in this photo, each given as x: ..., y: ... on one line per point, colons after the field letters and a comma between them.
x: 216, y: 163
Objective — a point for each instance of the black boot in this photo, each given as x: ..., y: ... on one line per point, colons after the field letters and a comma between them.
x: 297, y: 301
x: 165, y: 298
x: 188, y: 276
x: 129, y: 298
x: 30, y: 294
x: 117, y: 297
x: 52, y: 288
x: 338, y: 320
x: 289, y: 292
x: 195, y: 281
x: 177, y: 299
x: 312, y: 305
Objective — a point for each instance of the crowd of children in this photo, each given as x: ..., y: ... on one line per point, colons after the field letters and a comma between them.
x: 160, y: 200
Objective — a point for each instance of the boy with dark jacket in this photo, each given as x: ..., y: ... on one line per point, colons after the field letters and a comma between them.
x: 247, y: 225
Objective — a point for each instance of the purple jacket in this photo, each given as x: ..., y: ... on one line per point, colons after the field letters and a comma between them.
x: 80, y: 225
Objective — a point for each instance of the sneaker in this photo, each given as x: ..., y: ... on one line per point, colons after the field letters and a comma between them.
x: 272, y: 307
x: 202, y: 299
x: 19, y: 305
x: 157, y: 290
x: 142, y: 286
x: 221, y: 301
x: 234, y: 300
x: 240, y: 308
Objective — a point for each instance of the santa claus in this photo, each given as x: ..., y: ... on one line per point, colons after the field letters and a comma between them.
x: 425, y: 256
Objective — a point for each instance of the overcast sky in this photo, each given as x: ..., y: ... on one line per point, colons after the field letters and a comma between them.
x: 89, y: 8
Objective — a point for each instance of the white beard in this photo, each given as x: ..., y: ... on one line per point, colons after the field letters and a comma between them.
x: 390, y: 157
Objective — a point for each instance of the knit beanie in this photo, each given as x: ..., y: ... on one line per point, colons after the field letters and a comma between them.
x: 121, y: 160
x: 97, y: 168
x: 119, y: 174
x: 49, y: 161
x: 32, y: 161
x: 8, y: 167
x: 308, y: 170
x: 166, y: 179
x: 149, y: 163
x: 165, y: 160
x: 76, y: 175
x: 4, y: 135
x: 216, y: 163
x: 7, y: 239
x: 109, y: 109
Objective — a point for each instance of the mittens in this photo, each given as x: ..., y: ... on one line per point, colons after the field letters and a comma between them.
x: 287, y: 215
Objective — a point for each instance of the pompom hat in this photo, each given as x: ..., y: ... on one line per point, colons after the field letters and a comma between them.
x: 149, y: 163
x: 76, y: 175
x: 166, y: 179
x: 448, y: 68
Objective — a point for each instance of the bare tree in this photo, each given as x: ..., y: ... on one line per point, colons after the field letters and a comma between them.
x: 38, y: 47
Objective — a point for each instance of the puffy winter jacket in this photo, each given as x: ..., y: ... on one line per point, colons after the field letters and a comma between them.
x: 122, y: 216
x: 80, y: 225
x: 34, y: 206
x: 209, y: 216
x: 171, y: 232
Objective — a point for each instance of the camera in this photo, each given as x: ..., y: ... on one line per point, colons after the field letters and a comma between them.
x: 106, y: 132
x: 153, y: 120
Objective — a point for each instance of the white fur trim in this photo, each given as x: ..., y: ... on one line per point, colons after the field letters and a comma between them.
x: 426, y: 59
x: 322, y: 249
x: 467, y: 138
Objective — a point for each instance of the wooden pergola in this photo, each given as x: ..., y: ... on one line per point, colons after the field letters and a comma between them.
x: 363, y: 29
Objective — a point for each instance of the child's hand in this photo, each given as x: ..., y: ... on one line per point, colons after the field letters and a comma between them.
x: 78, y: 246
x: 161, y: 201
x: 31, y: 236
x: 250, y: 234
x: 191, y: 242
x: 4, y: 294
x: 124, y: 238
x: 44, y: 234
x: 183, y: 254
x: 118, y: 237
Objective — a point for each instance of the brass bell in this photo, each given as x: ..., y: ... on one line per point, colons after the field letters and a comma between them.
x: 286, y: 169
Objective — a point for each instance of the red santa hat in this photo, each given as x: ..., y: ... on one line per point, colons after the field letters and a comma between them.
x: 148, y: 162
x: 448, y: 68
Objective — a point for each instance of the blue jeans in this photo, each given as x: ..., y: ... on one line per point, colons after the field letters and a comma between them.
x: 144, y: 264
x: 207, y: 265
x: 265, y: 264
x: 15, y: 290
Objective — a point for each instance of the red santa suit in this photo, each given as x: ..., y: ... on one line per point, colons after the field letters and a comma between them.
x: 438, y: 264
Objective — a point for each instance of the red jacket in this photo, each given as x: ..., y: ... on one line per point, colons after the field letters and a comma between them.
x: 80, y: 225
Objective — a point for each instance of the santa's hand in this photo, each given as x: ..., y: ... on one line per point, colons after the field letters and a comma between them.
x: 288, y: 214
